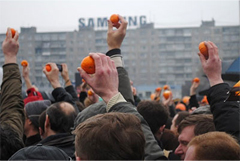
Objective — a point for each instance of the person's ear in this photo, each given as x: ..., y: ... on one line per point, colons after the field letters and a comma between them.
x: 77, y: 157
x: 47, y: 122
x: 40, y: 131
x: 28, y: 121
x: 162, y: 128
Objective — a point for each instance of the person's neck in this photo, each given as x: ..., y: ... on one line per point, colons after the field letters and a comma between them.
x: 50, y: 132
x: 31, y: 132
x: 158, y: 136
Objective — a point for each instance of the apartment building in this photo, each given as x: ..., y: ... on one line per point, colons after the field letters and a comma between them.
x: 152, y: 56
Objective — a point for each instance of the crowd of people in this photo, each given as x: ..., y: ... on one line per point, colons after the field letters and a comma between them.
x: 112, y: 123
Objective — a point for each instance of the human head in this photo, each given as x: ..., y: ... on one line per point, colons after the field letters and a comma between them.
x: 213, y: 146
x: 177, y: 119
x: 33, y: 95
x: 10, y: 141
x: 181, y: 107
x: 110, y: 136
x: 60, y: 118
x: 33, y: 110
x: 169, y: 140
x: 155, y: 114
x: 40, y: 152
x: 190, y: 127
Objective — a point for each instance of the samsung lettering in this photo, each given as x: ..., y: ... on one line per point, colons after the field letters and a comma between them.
x: 102, y: 22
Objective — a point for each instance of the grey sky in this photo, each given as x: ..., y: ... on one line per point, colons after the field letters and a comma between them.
x: 63, y: 15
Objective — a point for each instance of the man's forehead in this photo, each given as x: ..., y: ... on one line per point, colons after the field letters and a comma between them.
x: 187, y: 133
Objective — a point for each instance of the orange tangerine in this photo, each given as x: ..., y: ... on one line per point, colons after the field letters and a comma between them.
x: 196, y: 79
x: 186, y: 100
x: 166, y: 94
x: 13, y: 32
x: 158, y: 89
x: 165, y: 87
x: 90, y: 93
x: 24, y: 63
x: 114, y: 18
x: 203, y: 49
x: 88, y: 65
x: 48, y: 67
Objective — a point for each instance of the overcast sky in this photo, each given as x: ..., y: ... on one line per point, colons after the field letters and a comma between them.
x: 54, y: 15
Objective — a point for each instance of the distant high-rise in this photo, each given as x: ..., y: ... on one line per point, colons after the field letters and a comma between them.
x: 152, y: 56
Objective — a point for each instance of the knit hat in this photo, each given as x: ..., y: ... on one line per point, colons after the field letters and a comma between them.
x: 40, y: 152
x: 31, y: 99
x: 33, y: 95
x: 34, y: 110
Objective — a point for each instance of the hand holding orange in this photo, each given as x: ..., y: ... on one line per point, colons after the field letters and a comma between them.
x: 158, y: 89
x: 13, y: 32
x: 165, y: 87
x: 166, y: 94
x: 114, y: 18
x: 196, y: 79
x: 48, y: 67
x: 203, y: 49
x: 90, y: 93
x: 88, y: 65
x: 24, y: 63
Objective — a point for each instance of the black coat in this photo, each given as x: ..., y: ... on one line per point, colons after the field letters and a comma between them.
x: 64, y: 141
x: 225, y: 113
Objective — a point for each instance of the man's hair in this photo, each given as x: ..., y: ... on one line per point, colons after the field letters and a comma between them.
x: 10, y: 140
x: 181, y: 116
x: 169, y: 140
x: 110, y: 136
x: 215, y: 146
x: 61, y: 119
x: 202, y: 123
x: 154, y: 113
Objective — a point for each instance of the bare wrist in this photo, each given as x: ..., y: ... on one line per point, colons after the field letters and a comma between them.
x: 192, y: 92
x: 56, y: 84
x: 66, y: 79
x: 68, y: 82
x: 9, y: 60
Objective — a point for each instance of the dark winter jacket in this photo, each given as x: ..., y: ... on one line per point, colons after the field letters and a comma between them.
x: 225, y: 113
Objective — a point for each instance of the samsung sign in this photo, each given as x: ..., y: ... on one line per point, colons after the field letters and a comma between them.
x: 134, y: 21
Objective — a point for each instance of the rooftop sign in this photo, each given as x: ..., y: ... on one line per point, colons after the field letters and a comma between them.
x: 99, y: 23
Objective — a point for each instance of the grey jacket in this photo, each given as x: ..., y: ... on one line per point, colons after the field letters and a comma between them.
x: 152, y: 150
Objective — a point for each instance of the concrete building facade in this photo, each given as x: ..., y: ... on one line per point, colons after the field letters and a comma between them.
x: 152, y: 56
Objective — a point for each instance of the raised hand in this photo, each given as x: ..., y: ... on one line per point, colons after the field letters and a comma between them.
x: 212, y: 66
x: 105, y: 80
